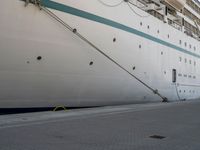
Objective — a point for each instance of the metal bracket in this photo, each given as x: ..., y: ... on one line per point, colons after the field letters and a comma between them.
x: 155, y: 91
x: 165, y: 100
x: 36, y: 2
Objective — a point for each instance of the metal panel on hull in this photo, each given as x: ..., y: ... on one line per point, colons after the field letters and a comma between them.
x: 64, y: 75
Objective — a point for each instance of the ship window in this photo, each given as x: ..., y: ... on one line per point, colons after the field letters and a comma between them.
x: 148, y: 27
x: 180, y: 42
x: 185, y: 44
x: 185, y: 60
x: 190, y: 62
x: 194, y: 63
x: 180, y: 59
x: 158, y: 31
x: 194, y: 48
x: 180, y: 75
x: 168, y: 36
x: 190, y: 76
x: 161, y: 53
x: 185, y: 75
x: 190, y: 46
x: 140, y: 46
x: 194, y: 77
x: 140, y: 23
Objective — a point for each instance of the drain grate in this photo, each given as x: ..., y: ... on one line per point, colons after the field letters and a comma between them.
x: 157, y: 137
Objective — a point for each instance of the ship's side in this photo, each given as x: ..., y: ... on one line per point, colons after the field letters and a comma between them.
x: 114, y: 55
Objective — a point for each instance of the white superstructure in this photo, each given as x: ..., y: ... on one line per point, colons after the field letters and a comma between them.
x: 98, y: 52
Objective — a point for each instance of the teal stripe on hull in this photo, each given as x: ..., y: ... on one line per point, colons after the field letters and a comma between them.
x: 89, y: 16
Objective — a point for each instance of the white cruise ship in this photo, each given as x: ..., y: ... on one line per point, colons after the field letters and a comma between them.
x: 80, y: 53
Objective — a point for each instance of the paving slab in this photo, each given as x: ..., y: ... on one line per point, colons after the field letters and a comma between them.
x: 156, y: 126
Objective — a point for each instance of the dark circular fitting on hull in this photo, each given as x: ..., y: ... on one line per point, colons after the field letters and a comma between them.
x: 39, y: 58
x: 91, y: 63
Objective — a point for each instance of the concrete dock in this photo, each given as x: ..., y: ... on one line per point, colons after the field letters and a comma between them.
x: 158, y: 126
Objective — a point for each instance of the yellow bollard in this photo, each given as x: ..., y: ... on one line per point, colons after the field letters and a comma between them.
x: 63, y: 107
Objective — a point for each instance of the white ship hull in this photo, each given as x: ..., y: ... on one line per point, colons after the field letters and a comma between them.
x: 64, y: 75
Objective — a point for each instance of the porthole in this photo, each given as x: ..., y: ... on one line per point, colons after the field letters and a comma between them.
x: 39, y: 58
x: 91, y: 63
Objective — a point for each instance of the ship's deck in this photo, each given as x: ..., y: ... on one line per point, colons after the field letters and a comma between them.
x: 173, y: 126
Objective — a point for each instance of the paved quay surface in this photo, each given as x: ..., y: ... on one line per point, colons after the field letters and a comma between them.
x: 175, y: 126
